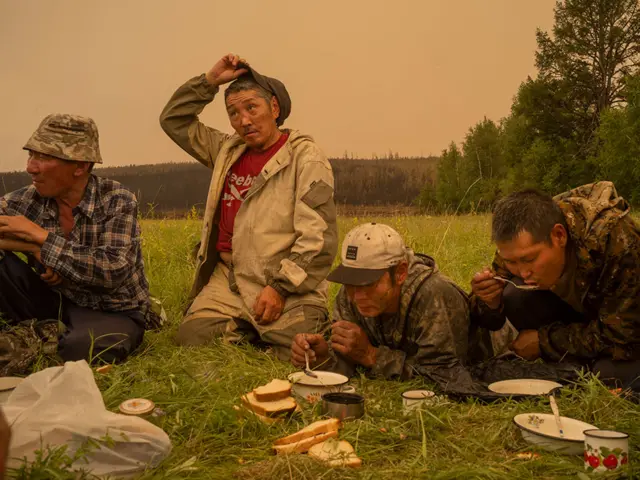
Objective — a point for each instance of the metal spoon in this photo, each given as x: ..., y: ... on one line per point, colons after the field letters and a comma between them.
x: 307, y: 371
x: 521, y: 287
x: 556, y: 413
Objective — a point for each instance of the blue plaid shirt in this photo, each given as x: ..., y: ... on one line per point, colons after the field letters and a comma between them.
x: 101, y: 259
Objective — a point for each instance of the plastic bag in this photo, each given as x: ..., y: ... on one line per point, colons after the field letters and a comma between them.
x: 63, y: 406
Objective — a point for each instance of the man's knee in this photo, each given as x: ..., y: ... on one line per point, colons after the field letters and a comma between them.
x: 200, y: 331
x: 82, y: 344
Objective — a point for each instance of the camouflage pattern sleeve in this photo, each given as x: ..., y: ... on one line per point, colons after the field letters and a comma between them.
x: 342, y: 310
x: 179, y: 120
x: 615, y: 331
x: 481, y: 314
x: 437, y: 327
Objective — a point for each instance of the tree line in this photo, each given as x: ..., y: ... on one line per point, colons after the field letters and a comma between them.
x: 577, y: 122
x: 176, y: 188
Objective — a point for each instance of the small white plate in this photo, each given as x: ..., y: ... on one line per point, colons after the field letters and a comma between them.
x: 524, y: 386
x: 540, y: 429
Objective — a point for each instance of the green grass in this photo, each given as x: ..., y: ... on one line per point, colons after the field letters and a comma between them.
x: 197, y: 389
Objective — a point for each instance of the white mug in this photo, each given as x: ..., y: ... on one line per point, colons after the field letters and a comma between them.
x: 413, y: 399
x: 605, y: 450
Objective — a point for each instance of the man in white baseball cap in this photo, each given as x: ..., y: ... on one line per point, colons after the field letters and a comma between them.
x: 395, y: 314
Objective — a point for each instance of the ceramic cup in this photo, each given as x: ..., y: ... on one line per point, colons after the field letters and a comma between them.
x: 414, y: 399
x: 605, y: 450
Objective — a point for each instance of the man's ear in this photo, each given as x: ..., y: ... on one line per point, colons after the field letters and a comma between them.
x: 402, y: 271
x: 559, y: 236
x: 81, y: 169
x: 275, y: 107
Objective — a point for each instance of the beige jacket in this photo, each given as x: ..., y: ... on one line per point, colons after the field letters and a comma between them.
x: 285, y: 233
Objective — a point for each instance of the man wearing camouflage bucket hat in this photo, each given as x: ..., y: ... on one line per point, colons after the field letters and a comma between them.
x: 269, y: 233
x: 81, y: 235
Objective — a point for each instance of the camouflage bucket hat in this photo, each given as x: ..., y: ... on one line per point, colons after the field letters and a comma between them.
x: 69, y: 137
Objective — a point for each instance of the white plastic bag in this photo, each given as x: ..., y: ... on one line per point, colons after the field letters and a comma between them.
x: 63, y: 406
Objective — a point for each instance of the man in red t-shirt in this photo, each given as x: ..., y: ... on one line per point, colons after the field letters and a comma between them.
x: 270, y: 233
x: 238, y: 182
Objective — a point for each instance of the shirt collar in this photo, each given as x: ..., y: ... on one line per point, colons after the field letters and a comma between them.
x: 88, y: 203
x: 86, y: 206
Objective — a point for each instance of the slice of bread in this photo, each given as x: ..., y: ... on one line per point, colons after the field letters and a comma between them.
x: 304, y: 444
x: 272, y: 391
x: 315, y: 428
x: 269, y: 409
x: 244, y: 412
x: 335, y: 453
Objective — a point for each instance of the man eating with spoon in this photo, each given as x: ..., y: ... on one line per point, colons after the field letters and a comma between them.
x: 581, y: 250
x: 396, y: 314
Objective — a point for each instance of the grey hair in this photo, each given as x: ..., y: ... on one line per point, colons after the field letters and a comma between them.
x: 247, y: 83
x: 526, y: 211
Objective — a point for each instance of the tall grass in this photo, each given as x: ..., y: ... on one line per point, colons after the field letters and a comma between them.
x: 197, y: 388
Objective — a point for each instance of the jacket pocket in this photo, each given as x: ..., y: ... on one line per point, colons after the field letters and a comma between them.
x: 319, y: 194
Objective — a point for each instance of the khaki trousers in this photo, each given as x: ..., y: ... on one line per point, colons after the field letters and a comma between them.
x: 217, y: 312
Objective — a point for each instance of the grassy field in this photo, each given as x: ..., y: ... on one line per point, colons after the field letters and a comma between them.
x: 197, y: 389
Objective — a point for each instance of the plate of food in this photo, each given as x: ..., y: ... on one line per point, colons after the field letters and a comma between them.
x: 541, y: 429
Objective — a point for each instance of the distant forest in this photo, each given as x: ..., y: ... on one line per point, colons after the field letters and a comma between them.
x: 175, y: 188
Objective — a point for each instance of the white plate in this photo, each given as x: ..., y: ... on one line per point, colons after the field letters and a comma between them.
x: 524, y: 386
x: 541, y: 429
x: 312, y: 389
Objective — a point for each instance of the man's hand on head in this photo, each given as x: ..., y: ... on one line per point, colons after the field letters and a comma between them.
x: 351, y: 341
x: 226, y: 70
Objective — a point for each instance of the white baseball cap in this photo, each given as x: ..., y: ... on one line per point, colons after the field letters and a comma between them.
x: 368, y: 251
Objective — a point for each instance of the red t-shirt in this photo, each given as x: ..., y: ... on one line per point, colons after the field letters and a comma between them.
x: 237, y: 184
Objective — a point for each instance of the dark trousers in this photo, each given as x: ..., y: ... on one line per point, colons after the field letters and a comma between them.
x: 89, y: 334
x: 530, y: 310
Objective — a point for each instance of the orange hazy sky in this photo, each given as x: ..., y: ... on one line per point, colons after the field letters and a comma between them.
x: 365, y: 76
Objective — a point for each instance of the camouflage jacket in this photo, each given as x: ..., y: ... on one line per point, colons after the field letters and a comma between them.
x: 429, y: 334
x: 606, y: 241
